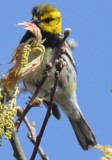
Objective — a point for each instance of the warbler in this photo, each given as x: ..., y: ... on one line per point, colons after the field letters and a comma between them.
x: 49, y: 19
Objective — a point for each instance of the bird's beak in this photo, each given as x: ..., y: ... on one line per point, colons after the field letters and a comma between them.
x: 35, y: 20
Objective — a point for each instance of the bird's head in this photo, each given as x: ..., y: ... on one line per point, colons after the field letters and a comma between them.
x: 48, y: 18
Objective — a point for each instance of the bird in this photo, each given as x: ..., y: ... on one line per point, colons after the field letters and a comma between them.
x: 49, y: 19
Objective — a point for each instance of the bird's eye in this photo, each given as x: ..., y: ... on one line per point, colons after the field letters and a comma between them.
x: 47, y: 20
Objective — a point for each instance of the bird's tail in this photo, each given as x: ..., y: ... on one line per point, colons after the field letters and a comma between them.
x: 83, y: 132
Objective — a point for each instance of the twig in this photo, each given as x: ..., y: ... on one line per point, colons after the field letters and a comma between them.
x: 17, y: 148
x: 59, y: 67
x: 32, y: 135
x: 39, y: 84
x: 29, y: 105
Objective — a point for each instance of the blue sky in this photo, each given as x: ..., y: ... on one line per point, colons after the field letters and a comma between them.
x: 91, y: 24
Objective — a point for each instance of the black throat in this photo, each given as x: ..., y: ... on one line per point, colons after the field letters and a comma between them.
x: 51, y: 40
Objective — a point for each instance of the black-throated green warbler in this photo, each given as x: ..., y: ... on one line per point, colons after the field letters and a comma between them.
x: 49, y: 20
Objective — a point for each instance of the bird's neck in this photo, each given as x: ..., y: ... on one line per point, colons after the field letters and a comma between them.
x: 51, y: 40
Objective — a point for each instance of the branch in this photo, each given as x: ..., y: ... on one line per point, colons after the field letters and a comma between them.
x: 17, y: 148
x: 59, y: 66
x: 46, y: 74
x: 32, y: 135
x: 29, y: 106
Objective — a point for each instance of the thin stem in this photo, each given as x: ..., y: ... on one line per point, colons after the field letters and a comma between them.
x: 59, y: 66
x: 29, y: 106
x: 39, y: 85
x: 48, y: 114
x: 17, y: 148
x: 32, y: 135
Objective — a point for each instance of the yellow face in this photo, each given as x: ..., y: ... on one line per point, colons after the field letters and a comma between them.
x: 50, y: 20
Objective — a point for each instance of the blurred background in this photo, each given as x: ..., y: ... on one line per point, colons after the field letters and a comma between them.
x: 91, y: 24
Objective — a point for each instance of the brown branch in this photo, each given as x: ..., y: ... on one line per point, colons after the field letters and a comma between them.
x: 17, y: 148
x: 59, y: 67
x: 29, y: 105
x: 57, y: 55
x: 32, y: 135
x: 46, y: 74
